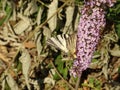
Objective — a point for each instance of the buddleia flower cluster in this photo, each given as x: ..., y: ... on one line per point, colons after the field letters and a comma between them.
x: 92, y: 20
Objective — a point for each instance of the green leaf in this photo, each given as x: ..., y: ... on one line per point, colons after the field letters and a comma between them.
x: 114, y: 13
x: 119, y: 69
x: 7, y: 86
x: 19, y: 66
x: 65, y: 73
x: 94, y: 60
x: 58, y: 60
x: 56, y: 76
x: 2, y: 21
x: 117, y: 29
x: 8, y: 14
x: 91, y: 81
x: 94, y: 83
x: 118, y: 9
x: 60, y: 65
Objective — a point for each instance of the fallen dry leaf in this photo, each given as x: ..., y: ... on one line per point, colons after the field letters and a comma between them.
x: 11, y: 82
x: 115, y: 51
x: 25, y: 59
x: 52, y: 9
x: 29, y: 44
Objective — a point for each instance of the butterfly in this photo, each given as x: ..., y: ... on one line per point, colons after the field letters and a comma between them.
x: 66, y: 43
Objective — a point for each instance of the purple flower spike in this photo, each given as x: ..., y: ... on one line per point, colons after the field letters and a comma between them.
x: 91, y: 22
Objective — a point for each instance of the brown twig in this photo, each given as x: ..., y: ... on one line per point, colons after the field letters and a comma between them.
x: 61, y: 76
x: 42, y: 3
x: 78, y: 82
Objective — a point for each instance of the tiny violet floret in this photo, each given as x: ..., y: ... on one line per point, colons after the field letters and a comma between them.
x: 92, y: 20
